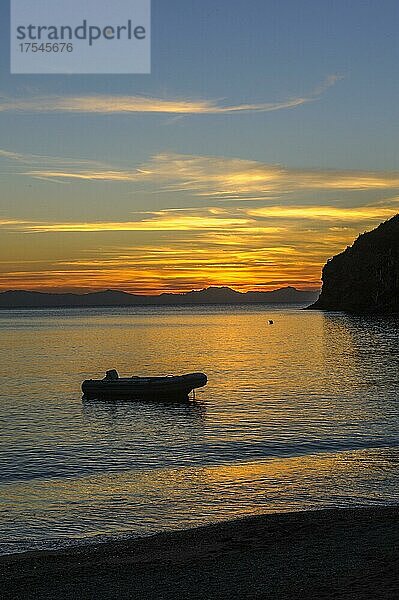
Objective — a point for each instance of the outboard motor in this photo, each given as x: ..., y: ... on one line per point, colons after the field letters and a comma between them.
x: 112, y: 375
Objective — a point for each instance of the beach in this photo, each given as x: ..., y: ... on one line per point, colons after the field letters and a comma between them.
x: 340, y: 553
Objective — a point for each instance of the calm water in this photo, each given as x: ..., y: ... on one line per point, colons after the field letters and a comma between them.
x: 296, y: 415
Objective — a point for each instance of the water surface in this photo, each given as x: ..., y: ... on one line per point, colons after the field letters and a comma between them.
x: 300, y: 414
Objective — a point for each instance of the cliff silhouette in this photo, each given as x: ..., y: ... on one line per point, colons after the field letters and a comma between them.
x: 365, y: 277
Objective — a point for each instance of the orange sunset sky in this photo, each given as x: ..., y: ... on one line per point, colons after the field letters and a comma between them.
x: 248, y: 157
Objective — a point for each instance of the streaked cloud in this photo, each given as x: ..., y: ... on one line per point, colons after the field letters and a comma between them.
x: 12, y: 223
x: 85, y: 175
x: 265, y: 220
x: 186, y: 262
x: 324, y: 213
x: 161, y: 221
x: 40, y: 160
x: 214, y: 177
x: 217, y: 177
x: 242, y: 247
x: 105, y: 104
x: 238, y: 178
x: 253, y: 254
x: 283, y: 239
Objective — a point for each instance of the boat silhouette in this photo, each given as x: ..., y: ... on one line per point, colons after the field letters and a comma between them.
x: 169, y: 387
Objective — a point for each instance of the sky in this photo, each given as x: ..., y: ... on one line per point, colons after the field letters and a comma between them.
x: 263, y: 142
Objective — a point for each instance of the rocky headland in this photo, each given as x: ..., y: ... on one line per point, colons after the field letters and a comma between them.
x: 365, y: 277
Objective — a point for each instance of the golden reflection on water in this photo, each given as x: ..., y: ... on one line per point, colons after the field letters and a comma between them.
x: 174, y: 498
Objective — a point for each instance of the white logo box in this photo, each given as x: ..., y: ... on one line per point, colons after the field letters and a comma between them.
x: 80, y: 36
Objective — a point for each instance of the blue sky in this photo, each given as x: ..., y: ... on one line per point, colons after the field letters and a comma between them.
x: 328, y: 69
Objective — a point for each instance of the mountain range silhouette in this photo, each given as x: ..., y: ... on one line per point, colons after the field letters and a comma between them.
x: 210, y: 295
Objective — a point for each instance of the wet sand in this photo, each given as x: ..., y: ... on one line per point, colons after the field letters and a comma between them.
x: 335, y: 554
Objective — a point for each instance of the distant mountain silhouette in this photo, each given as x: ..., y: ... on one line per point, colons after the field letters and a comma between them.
x: 211, y: 295
x: 365, y: 277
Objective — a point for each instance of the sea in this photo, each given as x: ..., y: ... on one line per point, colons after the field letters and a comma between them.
x: 302, y: 414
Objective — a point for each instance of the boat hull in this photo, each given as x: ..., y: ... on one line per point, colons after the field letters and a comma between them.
x: 145, y: 388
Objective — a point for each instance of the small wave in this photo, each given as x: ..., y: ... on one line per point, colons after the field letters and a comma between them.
x: 58, y: 466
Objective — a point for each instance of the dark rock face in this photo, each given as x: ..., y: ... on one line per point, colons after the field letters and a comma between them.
x: 365, y: 277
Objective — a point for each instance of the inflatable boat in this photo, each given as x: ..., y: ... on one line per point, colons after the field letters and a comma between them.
x: 169, y: 387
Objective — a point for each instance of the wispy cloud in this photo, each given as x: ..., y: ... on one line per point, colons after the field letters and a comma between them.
x: 332, y: 214
x: 13, y: 223
x: 265, y: 220
x: 230, y: 177
x: 84, y: 175
x: 218, y: 178
x: 41, y: 160
x: 245, y: 248
x: 164, y: 220
x: 240, y: 248
x: 105, y: 104
x: 284, y: 239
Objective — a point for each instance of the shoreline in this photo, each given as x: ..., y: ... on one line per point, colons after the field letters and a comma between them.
x: 328, y: 553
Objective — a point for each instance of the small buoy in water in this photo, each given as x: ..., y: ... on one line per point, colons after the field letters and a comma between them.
x: 271, y: 322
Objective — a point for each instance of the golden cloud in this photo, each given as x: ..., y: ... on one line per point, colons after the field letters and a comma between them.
x: 262, y: 220
x: 324, y: 213
x: 237, y: 178
x: 105, y: 104
x: 229, y: 178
